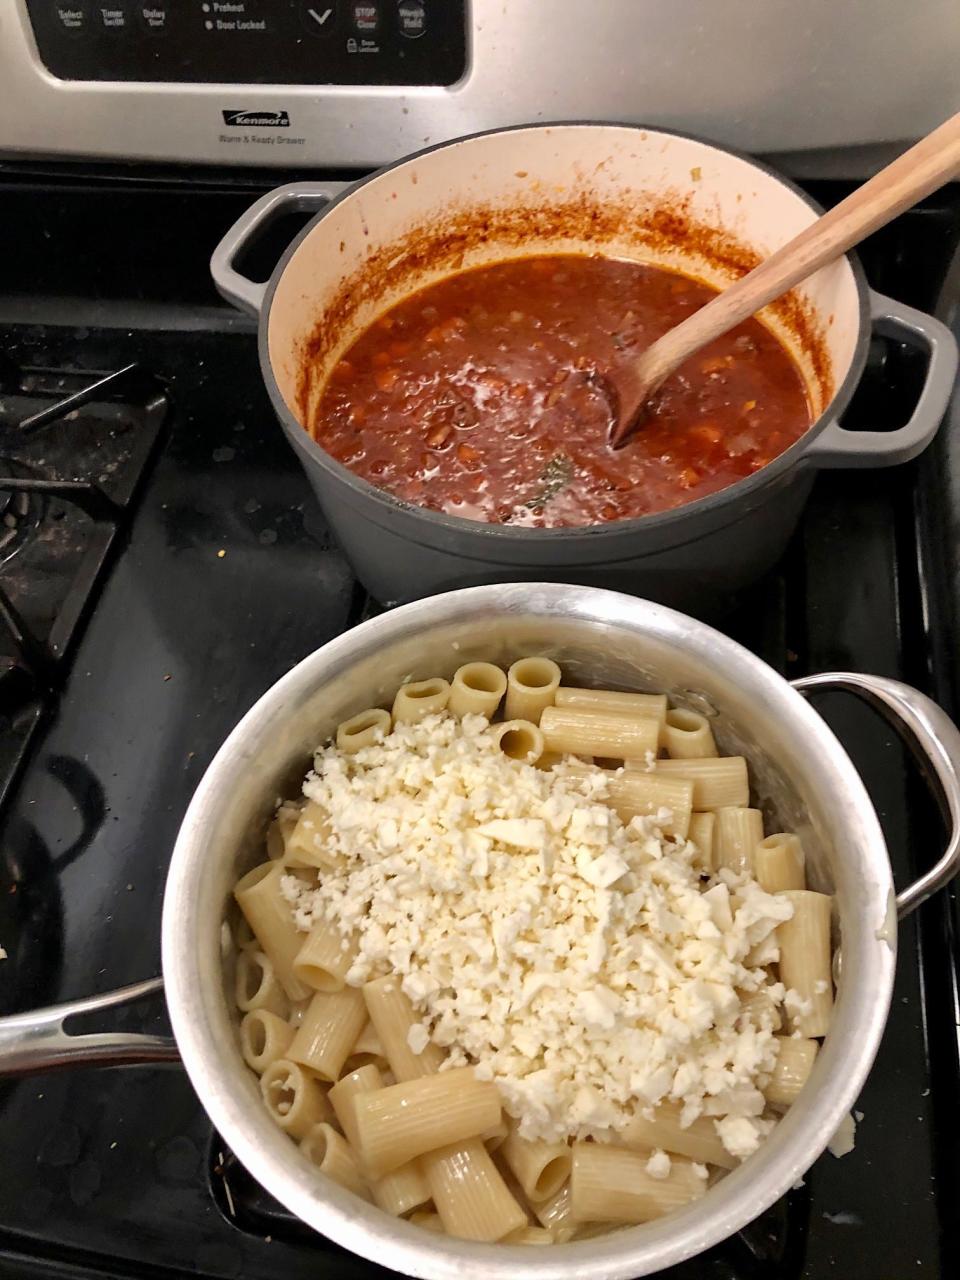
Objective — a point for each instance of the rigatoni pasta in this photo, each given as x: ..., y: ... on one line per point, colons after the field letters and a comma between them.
x: 267, y: 912
x: 779, y: 863
x: 324, y: 960
x: 687, y: 735
x: 326, y: 1035
x: 717, y: 783
x: 396, y: 1124
x: 806, y: 961
x: 613, y: 734
x: 532, y: 685
x: 477, y: 688
x: 293, y: 1097
x: 612, y: 1184
x: 390, y: 1063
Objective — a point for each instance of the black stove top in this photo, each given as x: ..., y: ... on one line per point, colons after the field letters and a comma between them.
x: 199, y: 570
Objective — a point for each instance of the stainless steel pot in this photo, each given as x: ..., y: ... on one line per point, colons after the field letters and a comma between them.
x: 573, y: 188
x: 801, y: 775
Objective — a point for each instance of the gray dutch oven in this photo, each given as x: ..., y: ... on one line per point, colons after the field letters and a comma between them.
x: 631, y: 192
x: 801, y: 776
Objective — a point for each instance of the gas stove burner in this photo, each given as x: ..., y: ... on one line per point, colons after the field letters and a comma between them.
x: 19, y: 510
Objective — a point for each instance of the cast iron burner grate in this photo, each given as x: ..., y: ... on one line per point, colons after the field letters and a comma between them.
x: 74, y: 447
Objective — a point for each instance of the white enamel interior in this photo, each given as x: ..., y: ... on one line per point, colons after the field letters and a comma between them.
x: 546, y: 164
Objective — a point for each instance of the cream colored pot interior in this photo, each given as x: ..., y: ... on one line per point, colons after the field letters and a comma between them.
x: 637, y: 194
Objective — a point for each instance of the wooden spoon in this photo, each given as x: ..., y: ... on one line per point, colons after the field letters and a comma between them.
x: 922, y: 169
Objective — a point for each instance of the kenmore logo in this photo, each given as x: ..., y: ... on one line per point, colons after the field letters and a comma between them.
x: 257, y: 119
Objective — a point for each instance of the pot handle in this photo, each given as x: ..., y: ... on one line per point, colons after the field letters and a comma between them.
x: 300, y: 197
x: 927, y: 729
x: 837, y: 447
x: 37, y: 1040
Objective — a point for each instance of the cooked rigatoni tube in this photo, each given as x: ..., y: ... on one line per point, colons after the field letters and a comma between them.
x: 795, y: 1059
x: 760, y: 1007
x: 532, y: 685
x: 698, y: 1141
x: 403, y: 1189
x: 641, y: 793
x: 428, y: 1220
x: 396, y: 1124
x: 541, y: 1168
x: 422, y: 698
x: 613, y: 734
x: 295, y: 1100
x: 471, y: 1196
x: 268, y: 914
x: 529, y: 1235
x: 805, y: 961
x: 700, y: 831
x: 392, y: 1016
x: 652, y: 706
x: 278, y: 833
x: 493, y: 1139
x: 325, y: 957
x: 736, y: 835
x: 369, y: 1042
x: 519, y: 739
x: 611, y: 1184
x: 687, y: 735
x: 256, y: 985
x: 308, y: 844
x: 718, y: 782
x: 465, y: 1185
x: 332, y: 1155
x: 264, y: 1037
x: 327, y: 1031
x: 556, y: 1214
x: 476, y: 689
x: 778, y: 863
x: 363, y: 730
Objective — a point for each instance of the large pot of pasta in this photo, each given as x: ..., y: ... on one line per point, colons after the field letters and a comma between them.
x: 446, y: 1174
x: 436, y: 342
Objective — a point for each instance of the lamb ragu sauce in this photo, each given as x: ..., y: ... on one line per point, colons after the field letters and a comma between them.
x: 473, y: 396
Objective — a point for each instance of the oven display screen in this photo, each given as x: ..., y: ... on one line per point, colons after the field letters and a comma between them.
x: 369, y: 42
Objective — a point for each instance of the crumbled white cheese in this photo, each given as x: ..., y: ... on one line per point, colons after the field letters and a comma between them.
x: 418, y: 1037
x: 821, y: 986
x: 571, y: 957
x: 741, y: 1135
x: 844, y: 1140
x: 659, y: 1165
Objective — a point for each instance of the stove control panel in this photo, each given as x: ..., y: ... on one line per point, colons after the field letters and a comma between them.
x: 332, y: 42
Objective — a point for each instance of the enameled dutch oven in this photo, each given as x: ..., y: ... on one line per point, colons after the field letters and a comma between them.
x: 800, y: 774
x: 631, y: 192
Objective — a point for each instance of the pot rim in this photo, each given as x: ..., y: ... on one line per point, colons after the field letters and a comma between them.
x: 196, y: 1001
x: 389, y: 505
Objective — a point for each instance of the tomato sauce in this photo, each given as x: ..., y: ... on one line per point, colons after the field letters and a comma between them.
x: 475, y: 396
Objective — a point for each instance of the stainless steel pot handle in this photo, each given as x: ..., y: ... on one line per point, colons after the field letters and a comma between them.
x: 929, y: 729
x: 836, y: 447
x: 302, y: 197
x: 37, y: 1041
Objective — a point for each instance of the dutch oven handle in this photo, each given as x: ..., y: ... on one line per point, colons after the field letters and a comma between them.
x: 38, y: 1040
x: 836, y: 447
x: 925, y: 727
x: 298, y: 197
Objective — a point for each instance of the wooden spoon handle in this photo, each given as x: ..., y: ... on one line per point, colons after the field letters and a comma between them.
x: 922, y: 169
